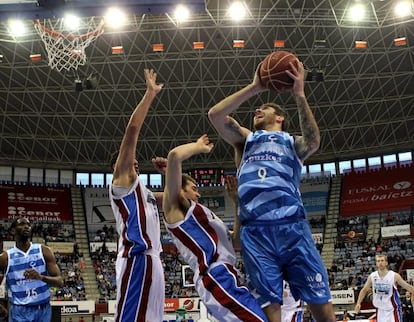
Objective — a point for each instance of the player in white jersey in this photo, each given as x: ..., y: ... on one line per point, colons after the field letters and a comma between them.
x: 139, y: 273
x: 385, y: 297
x: 292, y: 310
x: 204, y: 242
x: 30, y: 270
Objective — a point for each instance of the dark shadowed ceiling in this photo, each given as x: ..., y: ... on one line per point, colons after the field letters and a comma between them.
x: 364, y: 106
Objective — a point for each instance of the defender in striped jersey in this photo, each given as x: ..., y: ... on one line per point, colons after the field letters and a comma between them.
x: 139, y: 273
x: 205, y: 242
x: 30, y: 270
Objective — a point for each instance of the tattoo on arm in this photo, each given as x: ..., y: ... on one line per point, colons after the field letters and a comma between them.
x: 310, y: 140
x: 234, y: 127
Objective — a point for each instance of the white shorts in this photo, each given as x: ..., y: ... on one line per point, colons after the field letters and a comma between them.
x: 389, y: 316
x: 292, y: 315
x: 140, y: 289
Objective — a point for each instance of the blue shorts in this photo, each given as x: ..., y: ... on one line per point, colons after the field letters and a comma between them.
x: 274, y: 252
x: 30, y: 313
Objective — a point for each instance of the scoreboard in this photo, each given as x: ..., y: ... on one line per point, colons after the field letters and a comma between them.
x: 208, y: 176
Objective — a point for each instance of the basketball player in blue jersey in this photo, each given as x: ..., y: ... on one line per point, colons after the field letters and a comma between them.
x: 204, y: 242
x: 275, y: 234
x: 139, y: 272
x: 30, y: 269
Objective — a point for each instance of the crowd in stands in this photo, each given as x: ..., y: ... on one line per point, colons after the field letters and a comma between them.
x: 106, y: 234
x: 104, y: 265
x: 313, y: 179
x: 355, y: 260
x: 59, y: 232
x: 354, y: 227
x: 73, y: 285
x: 393, y: 219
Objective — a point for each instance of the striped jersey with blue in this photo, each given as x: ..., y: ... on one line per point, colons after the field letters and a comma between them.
x: 204, y: 242
x: 137, y: 220
x: 24, y: 291
x: 269, y: 178
x: 202, y: 239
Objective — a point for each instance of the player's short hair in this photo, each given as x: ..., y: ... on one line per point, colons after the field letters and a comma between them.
x: 279, y: 110
x: 185, y: 178
x: 381, y: 256
x: 16, y: 221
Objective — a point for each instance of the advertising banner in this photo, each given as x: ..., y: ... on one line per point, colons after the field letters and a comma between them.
x: 45, y: 204
x: 377, y: 191
x: 343, y: 296
x: 315, y: 197
x: 75, y: 307
x: 399, y: 230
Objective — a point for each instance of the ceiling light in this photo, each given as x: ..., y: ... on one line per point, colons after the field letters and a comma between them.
x: 403, y: 8
x: 71, y: 22
x: 181, y: 13
x: 115, y: 17
x: 237, y: 11
x: 357, y: 12
x: 16, y: 27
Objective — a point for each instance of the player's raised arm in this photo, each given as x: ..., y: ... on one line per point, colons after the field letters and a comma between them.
x: 172, y: 199
x: 227, y: 127
x: 125, y: 168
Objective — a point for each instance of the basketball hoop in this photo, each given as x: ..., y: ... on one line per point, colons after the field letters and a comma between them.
x: 67, y: 51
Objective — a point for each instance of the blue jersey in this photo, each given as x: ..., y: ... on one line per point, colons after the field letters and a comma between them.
x: 23, y: 291
x: 269, y: 178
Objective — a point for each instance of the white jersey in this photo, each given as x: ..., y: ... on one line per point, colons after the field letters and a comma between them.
x: 202, y: 239
x: 385, y: 293
x: 137, y: 220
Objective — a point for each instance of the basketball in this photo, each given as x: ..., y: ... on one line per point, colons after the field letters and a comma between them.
x: 273, y: 68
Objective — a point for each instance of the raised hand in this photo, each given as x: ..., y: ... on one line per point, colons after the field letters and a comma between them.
x: 204, y: 144
x: 151, y: 80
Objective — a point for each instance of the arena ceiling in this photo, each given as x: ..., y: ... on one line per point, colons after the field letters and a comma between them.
x: 364, y: 106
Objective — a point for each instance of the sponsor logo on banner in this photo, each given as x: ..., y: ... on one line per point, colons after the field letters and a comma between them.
x: 81, y: 307
x: 399, y: 230
x: 379, y: 191
x: 343, y: 296
x: 190, y: 303
x: 171, y: 304
x: 36, y: 203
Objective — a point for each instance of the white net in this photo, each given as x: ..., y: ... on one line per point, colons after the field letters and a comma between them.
x: 67, y: 50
